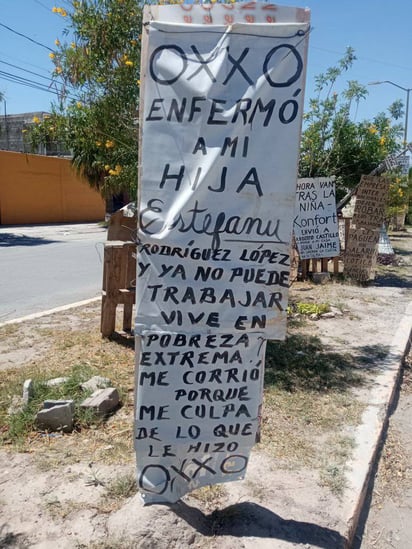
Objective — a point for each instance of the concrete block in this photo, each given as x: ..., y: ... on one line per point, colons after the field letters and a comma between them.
x: 28, y: 391
x: 57, y: 415
x: 102, y: 401
x: 330, y: 314
x: 56, y: 381
x: 96, y: 382
x: 320, y: 278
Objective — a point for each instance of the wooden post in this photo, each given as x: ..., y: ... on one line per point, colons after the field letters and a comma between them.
x: 119, y: 268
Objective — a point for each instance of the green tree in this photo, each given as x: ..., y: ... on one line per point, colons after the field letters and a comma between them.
x: 333, y: 143
x: 97, y: 68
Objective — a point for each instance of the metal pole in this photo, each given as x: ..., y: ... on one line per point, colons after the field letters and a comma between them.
x: 406, y: 117
x: 407, y: 90
x: 6, y: 126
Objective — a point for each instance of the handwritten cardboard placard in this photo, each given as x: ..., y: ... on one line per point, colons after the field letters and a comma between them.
x: 369, y: 213
x: 220, y: 134
x: 197, y: 410
x: 316, y: 222
x: 361, y: 253
x: 371, y: 199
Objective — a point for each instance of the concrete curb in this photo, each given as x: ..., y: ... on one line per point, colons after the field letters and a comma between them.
x: 369, y: 434
x: 50, y: 311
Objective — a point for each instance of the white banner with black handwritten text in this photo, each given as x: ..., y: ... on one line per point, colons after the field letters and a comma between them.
x: 221, y: 128
x: 222, y: 99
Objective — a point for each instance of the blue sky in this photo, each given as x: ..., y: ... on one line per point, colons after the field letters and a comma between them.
x: 379, y: 31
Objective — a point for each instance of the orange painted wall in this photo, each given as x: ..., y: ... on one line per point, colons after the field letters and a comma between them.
x: 44, y: 189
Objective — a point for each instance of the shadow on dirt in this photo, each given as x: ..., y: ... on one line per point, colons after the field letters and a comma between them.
x: 9, y: 539
x: 393, y: 280
x: 11, y: 239
x: 303, y: 362
x: 251, y: 520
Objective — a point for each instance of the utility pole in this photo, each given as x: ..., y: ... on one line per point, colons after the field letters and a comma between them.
x: 407, y: 90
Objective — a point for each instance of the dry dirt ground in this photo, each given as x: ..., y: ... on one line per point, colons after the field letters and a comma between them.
x: 71, y: 491
x: 388, y: 523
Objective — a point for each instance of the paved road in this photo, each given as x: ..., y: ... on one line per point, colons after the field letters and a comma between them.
x: 42, y: 267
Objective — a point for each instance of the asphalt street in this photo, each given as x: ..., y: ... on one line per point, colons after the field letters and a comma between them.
x: 47, y: 266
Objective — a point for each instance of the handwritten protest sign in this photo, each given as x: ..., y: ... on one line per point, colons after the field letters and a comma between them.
x: 369, y: 213
x: 221, y: 118
x: 361, y: 253
x: 316, y: 222
x: 371, y: 199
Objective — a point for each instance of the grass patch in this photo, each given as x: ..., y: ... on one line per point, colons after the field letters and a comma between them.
x: 307, y: 400
x: 332, y: 473
x: 74, y: 349
x: 308, y: 309
x: 298, y: 427
x: 17, y: 426
x: 122, y: 487
x: 303, y: 362
x: 210, y: 496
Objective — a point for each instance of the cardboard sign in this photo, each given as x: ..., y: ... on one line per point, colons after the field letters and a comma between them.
x: 371, y: 198
x: 316, y: 222
x: 361, y: 253
x: 369, y: 213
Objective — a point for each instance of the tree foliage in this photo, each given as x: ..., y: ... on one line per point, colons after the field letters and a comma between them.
x: 333, y: 143
x: 97, y: 66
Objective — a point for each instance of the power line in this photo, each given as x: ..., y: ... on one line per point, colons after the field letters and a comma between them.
x: 28, y: 85
x: 40, y: 68
x: 26, y: 70
x: 16, y: 79
x: 10, y: 77
x: 361, y: 58
x: 25, y: 36
x: 42, y: 5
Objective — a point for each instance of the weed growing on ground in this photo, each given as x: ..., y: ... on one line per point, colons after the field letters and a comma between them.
x: 210, y: 496
x: 307, y: 398
x: 122, y: 487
